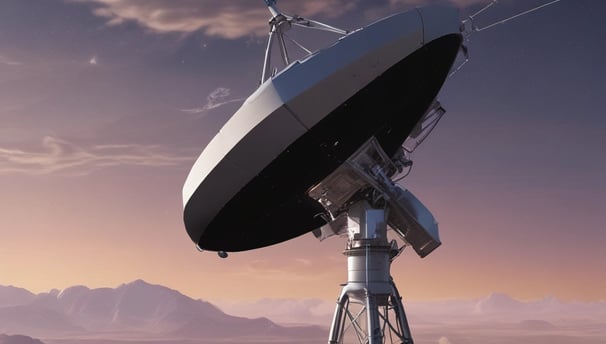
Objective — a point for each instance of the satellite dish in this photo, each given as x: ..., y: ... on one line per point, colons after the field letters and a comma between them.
x: 249, y: 187
x: 317, y: 148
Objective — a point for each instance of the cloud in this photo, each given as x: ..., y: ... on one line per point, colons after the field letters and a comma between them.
x: 375, y: 12
x: 540, y: 315
x: 93, y: 61
x: 9, y: 62
x: 458, y: 3
x: 63, y: 157
x: 215, y: 99
x: 285, y: 311
x: 216, y: 18
x: 444, y: 340
x: 500, y: 307
x: 303, y: 261
x: 272, y: 269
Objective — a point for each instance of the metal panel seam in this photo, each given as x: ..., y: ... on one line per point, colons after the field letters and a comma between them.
x: 294, y: 115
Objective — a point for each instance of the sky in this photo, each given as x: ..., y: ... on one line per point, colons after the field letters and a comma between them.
x: 105, y: 105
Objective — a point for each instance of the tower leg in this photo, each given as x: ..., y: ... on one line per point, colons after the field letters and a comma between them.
x: 369, y: 321
x: 375, y: 335
x: 338, y: 320
x: 401, y: 315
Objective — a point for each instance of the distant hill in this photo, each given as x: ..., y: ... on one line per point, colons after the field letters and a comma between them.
x: 18, y: 339
x: 499, y: 302
x: 34, y: 320
x: 137, y: 307
x: 13, y: 296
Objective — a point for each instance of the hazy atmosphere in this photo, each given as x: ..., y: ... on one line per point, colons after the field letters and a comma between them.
x: 106, y: 104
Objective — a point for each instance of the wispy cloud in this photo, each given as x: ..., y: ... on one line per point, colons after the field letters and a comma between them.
x: 496, y: 308
x: 375, y: 12
x: 10, y: 62
x: 458, y: 3
x: 444, y: 340
x: 215, y: 99
x: 282, y: 270
x: 216, y: 18
x: 310, y: 311
x: 63, y: 157
x: 304, y: 261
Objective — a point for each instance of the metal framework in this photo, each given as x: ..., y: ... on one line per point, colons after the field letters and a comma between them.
x: 468, y: 26
x: 363, y: 195
x: 369, y: 309
x: 364, y: 202
x: 279, y: 24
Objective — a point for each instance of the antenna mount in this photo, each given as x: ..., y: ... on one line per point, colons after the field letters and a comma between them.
x: 278, y: 25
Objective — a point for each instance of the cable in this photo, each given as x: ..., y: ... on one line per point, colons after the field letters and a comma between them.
x: 405, y: 174
x: 478, y: 29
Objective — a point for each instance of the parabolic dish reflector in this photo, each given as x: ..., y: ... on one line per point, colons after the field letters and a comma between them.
x: 248, y: 188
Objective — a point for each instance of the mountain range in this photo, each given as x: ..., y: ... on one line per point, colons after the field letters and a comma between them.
x: 136, y: 308
x: 140, y: 312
